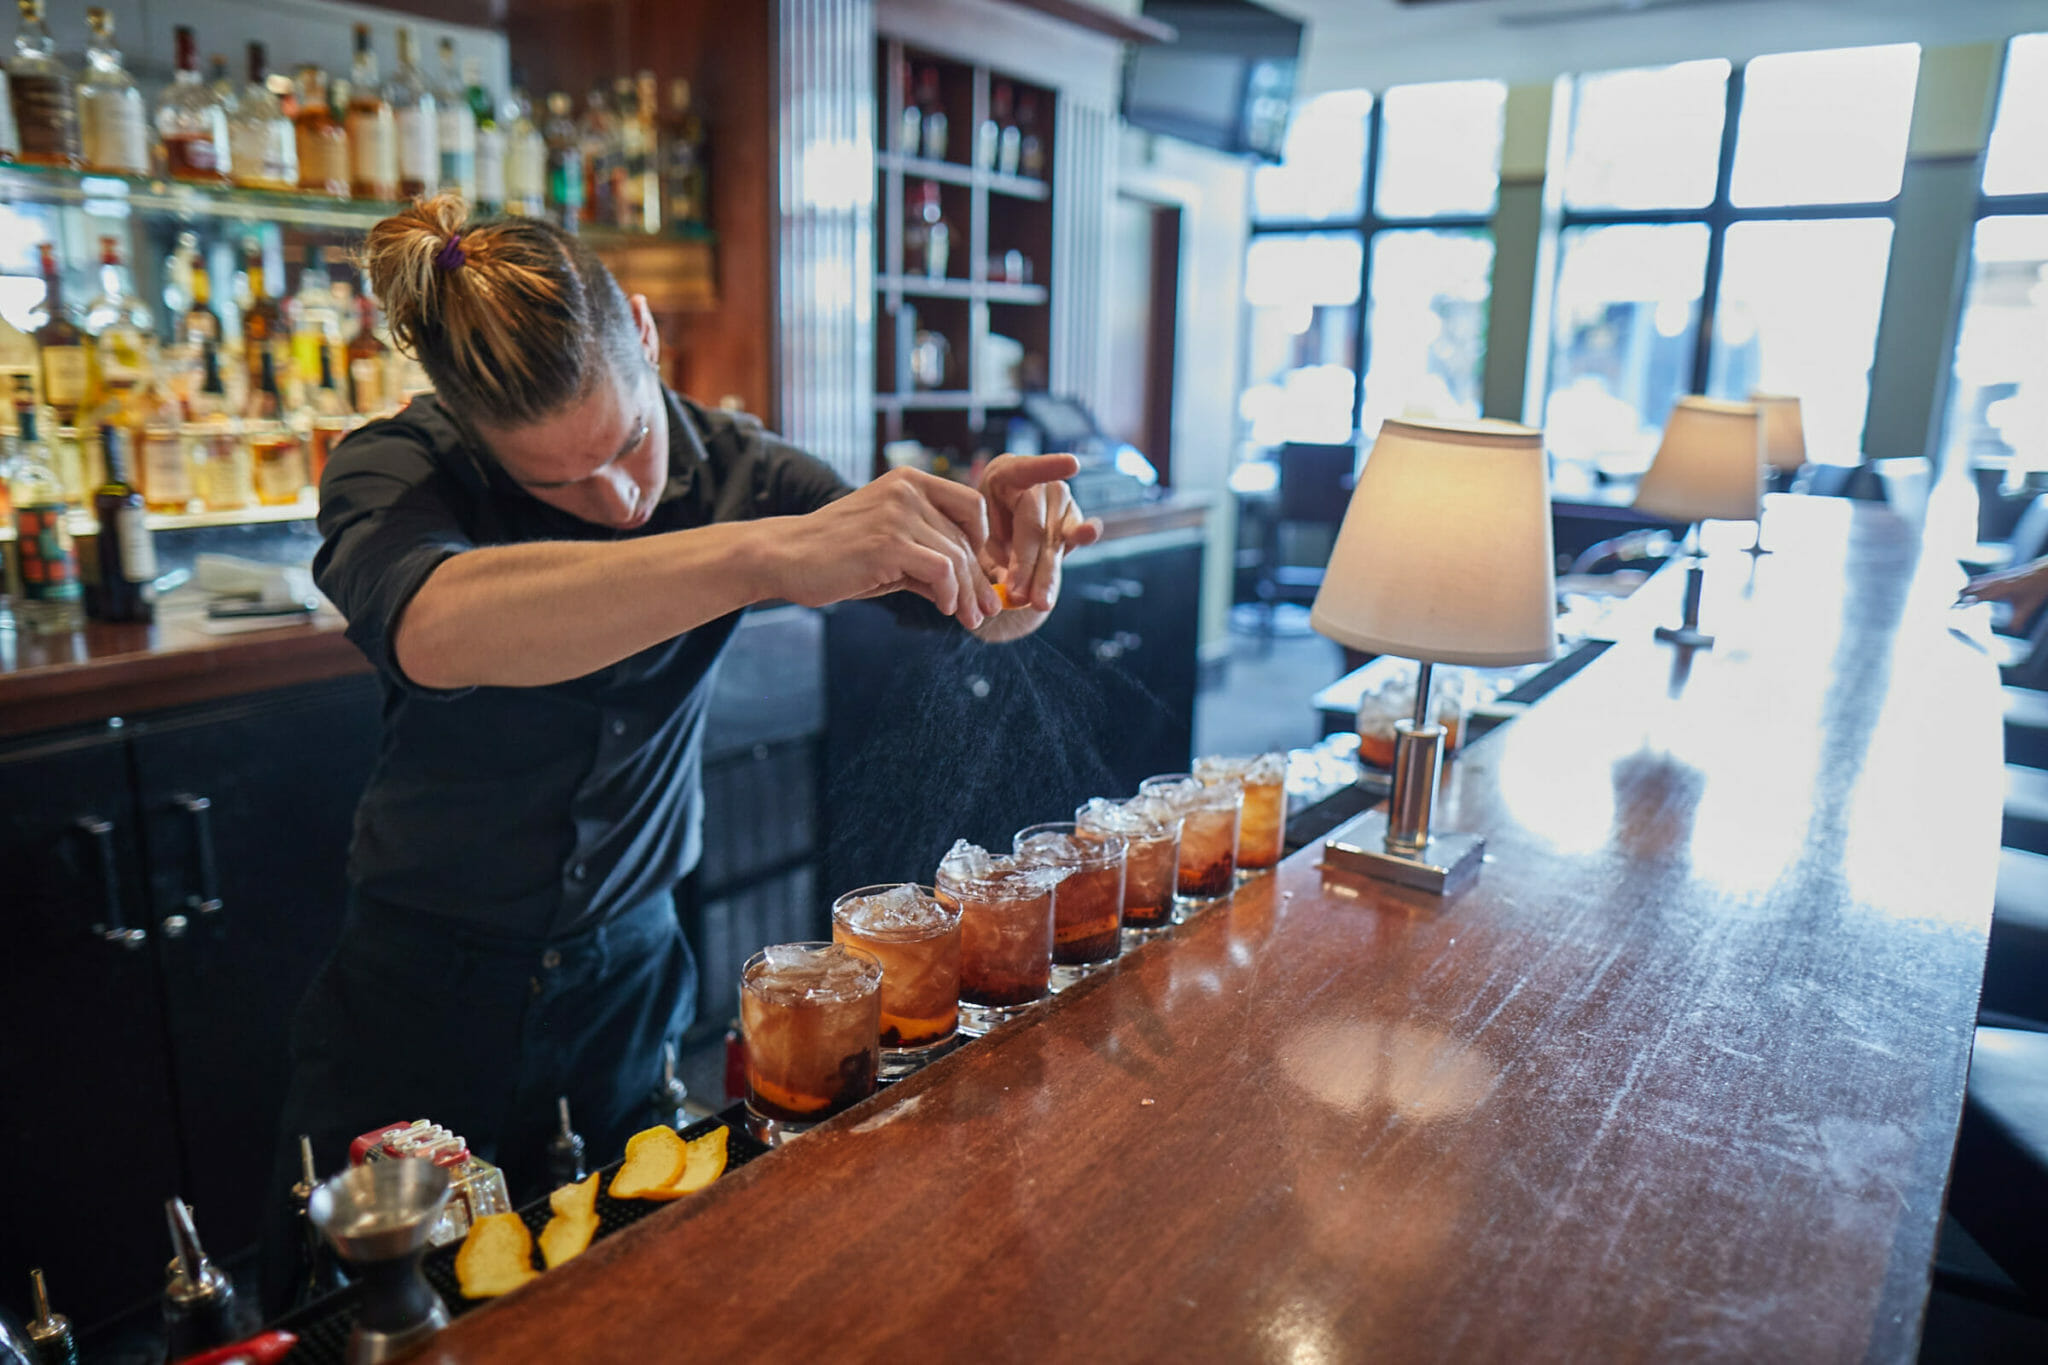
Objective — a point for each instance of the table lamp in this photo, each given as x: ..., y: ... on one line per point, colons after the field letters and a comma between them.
x: 1784, y: 432
x: 1709, y: 465
x: 1444, y: 556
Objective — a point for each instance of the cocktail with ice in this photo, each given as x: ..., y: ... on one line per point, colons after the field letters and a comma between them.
x: 1208, y: 836
x: 1006, y: 933
x: 1088, y: 904
x: 916, y: 935
x: 811, y: 1014
x: 1150, y: 829
x: 1262, y: 829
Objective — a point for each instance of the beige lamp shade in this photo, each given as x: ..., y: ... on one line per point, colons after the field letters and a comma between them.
x: 1445, y: 555
x: 1784, y: 433
x: 1710, y: 464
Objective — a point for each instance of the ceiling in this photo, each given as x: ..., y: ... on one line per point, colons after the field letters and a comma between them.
x: 1377, y: 43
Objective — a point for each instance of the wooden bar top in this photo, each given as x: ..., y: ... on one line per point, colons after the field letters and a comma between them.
x: 1677, y: 1078
x: 113, y: 670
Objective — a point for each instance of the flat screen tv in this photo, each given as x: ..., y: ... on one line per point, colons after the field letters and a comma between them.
x: 1228, y: 82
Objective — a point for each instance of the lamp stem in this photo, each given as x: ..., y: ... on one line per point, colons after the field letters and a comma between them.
x: 1422, y: 682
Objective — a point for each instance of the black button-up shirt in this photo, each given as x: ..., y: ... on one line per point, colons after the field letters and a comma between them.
x: 533, y: 812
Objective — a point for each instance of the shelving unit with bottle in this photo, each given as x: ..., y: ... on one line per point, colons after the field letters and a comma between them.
x: 964, y: 251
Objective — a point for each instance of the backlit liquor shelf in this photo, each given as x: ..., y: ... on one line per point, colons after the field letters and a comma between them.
x: 1526, y: 1121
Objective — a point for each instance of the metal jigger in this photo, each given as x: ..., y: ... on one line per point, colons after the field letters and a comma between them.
x: 1396, y: 845
x: 377, y: 1217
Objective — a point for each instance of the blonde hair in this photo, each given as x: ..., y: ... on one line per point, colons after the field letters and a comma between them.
x: 511, y: 318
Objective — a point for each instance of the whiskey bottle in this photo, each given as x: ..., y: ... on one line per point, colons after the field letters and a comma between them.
x: 264, y: 332
x: 113, y: 126
x: 320, y: 134
x: 372, y: 129
x: 40, y: 91
x: 262, y: 142
x: 685, y: 173
x: 602, y: 171
x: 491, y: 144
x: 277, y: 457
x: 565, y: 163
x: 369, y: 391
x: 526, y: 158
x: 124, y: 557
x: 67, y: 368
x: 416, y: 118
x: 191, y: 122
x: 122, y: 331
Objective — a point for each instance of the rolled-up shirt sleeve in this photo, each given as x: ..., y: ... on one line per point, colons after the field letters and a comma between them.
x: 387, y: 521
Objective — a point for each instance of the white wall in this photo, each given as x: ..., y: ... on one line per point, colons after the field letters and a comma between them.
x: 1211, y: 190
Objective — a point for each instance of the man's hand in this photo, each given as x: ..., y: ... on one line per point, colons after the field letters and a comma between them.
x: 2026, y: 587
x: 1032, y: 523
x: 905, y: 530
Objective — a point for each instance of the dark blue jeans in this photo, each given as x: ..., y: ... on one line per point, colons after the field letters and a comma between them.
x: 417, y: 1017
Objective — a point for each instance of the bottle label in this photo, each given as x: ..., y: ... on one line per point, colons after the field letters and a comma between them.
x: 373, y: 157
x: 419, y: 148
x: 249, y: 151
x: 112, y: 131
x: 49, y: 568
x: 166, y: 474
x: 123, y: 359
x: 138, y: 547
x: 490, y: 167
x: 45, y: 117
x: 458, y: 148
x: 280, y: 469
x: 64, y: 375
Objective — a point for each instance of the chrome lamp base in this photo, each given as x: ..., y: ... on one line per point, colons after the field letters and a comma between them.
x: 1446, y: 864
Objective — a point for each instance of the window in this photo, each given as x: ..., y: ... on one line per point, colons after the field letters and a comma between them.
x: 1766, y: 191
x: 1998, y: 393
x: 1388, y: 205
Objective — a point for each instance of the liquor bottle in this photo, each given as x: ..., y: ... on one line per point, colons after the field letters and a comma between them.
x: 121, y: 577
x: 326, y: 399
x: 646, y: 191
x: 457, y: 129
x: 937, y: 234
x: 526, y: 158
x: 319, y: 1271
x: 565, y: 1148
x: 684, y: 171
x: 988, y: 137
x: 66, y: 363
x: 277, y: 457
x: 122, y: 330
x: 50, y: 1338
x: 44, y: 579
x: 262, y: 143
x: 418, y: 122
x: 367, y: 364
x: 316, y: 324
x: 163, y: 464
x: 910, y: 129
x: 372, y: 130
x: 602, y: 171
x: 190, y: 121
x: 1030, y: 149
x: 41, y: 94
x: 932, y: 114
x: 18, y: 358
x: 210, y: 400
x: 223, y: 89
x: 1009, y: 137
x: 113, y: 126
x: 565, y: 163
x: 198, y: 325
x: 320, y: 134
x: 264, y: 332
x: 490, y: 140
x: 632, y: 154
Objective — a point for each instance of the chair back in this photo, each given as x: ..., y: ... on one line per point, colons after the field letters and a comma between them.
x: 1316, y: 480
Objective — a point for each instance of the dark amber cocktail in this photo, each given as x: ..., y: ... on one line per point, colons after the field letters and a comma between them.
x: 811, y: 1013
x: 1150, y: 829
x: 1088, y: 904
x: 916, y: 935
x: 1006, y: 933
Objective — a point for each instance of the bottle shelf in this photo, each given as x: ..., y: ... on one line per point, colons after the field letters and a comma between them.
x: 943, y: 400
x: 953, y: 173
x: 84, y: 523
x: 918, y: 286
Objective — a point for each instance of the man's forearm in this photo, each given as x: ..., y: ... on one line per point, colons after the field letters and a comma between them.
x: 529, y: 615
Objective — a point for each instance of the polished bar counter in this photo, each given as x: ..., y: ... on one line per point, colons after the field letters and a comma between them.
x: 1678, y: 1077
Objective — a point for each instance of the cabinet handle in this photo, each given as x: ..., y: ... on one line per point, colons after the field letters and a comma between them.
x: 207, y: 900
x: 110, y: 929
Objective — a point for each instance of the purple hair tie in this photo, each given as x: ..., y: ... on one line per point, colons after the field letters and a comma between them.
x: 450, y: 255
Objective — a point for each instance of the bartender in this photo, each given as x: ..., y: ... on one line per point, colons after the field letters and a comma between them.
x: 544, y: 558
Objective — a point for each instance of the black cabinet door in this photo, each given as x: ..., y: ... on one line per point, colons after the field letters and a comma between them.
x: 85, y: 1097
x: 247, y: 811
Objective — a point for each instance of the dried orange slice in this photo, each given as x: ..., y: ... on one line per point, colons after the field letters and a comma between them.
x: 654, y: 1158
x: 496, y: 1257
x: 706, y: 1162
x: 568, y: 1233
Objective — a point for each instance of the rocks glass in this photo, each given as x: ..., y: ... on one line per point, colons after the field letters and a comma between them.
x: 1150, y: 829
x: 1088, y: 904
x: 1005, y: 933
x: 1262, y: 829
x: 1208, y: 837
x: 915, y: 933
x: 811, y: 1014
